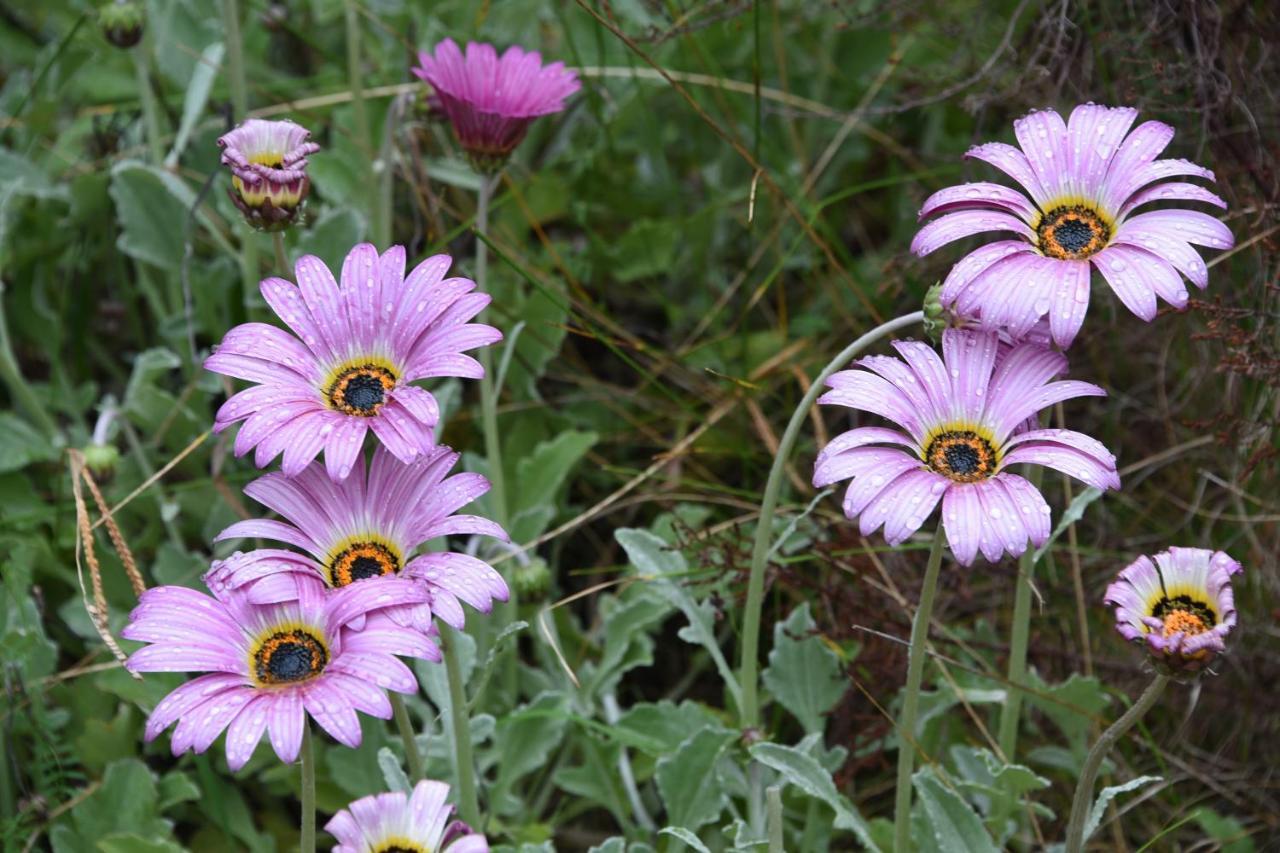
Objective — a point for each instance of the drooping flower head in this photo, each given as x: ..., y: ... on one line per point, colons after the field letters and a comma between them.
x: 370, y: 527
x: 1179, y: 604
x: 362, y: 344
x: 1086, y: 178
x: 491, y: 100
x: 396, y: 823
x: 963, y: 420
x: 268, y: 161
x: 269, y: 666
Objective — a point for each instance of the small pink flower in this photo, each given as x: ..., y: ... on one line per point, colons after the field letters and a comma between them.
x: 491, y: 100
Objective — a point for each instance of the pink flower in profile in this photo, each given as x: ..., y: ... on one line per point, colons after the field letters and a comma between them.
x: 396, y: 823
x: 271, y: 666
x: 491, y: 100
x: 1086, y: 178
x: 370, y: 527
x: 1180, y: 606
x: 268, y: 161
x: 965, y: 417
x: 362, y: 345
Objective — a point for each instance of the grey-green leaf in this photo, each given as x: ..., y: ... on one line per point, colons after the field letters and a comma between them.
x: 803, y: 674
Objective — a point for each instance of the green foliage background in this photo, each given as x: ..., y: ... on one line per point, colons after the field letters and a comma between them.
x: 678, y: 252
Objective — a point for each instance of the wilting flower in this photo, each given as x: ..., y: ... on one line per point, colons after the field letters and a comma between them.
x: 491, y: 100
x: 965, y: 420
x: 362, y: 344
x: 122, y: 22
x: 1085, y: 178
x: 369, y: 528
x: 396, y: 823
x: 268, y: 161
x: 1180, y: 605
x: 269, y: 666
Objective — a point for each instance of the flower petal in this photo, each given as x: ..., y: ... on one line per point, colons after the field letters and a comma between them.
x: 956, y: 226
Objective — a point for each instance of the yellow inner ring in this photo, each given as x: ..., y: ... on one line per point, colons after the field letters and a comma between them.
x: 972, y: 445
x: 351, y: 558
x: 351, y: 388
x: 287, y: 654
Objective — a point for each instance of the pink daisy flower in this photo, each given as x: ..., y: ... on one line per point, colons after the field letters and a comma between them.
x: 396, y: 823
x: 362, y: 344
x: 1180, y: 605
x: 268, y: 161
x: 965, y: 420
x: 491, y: 100
x: 370, y: 527
x: 1086, y: 178
x: 270, y: 666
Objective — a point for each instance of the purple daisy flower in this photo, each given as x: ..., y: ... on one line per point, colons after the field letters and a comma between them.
x: 491, y: 100
x: 416, y: 823
x: 270, y: 666
x: 1180, y: 606
x: 362, y: 344
x: 1086, y: 178
x: 268, y: 161
x: 370, y: 527
x: 965, y: 420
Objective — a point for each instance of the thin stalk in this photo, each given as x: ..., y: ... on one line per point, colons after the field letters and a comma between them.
x: 1080, y: 804
x: 150, y: 114
x: 282, y: 260
x: 412, y: 757
x: 240, y: 108
x: 464, y: 764
x: 488, y: 390
x: 774, y: 797
x: 749, y: 669
x: 307, y: 830
x: 355, y: 80
x: 1011, y: 710
x: 911, y: 696
x: 19, y: 391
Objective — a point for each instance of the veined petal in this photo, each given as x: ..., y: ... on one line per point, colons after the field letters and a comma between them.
x: 980, y: 194
x: 967, y: 223
x: 1013, y: 163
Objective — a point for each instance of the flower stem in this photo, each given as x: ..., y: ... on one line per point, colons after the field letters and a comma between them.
x: 1080, y: 804
x: 468, y: 804
x: 307, y: 831
x: 240, y: 108
x: 488, y: 390
x: 282, y: 260
x: 19, y: 391
x: 911, y: 697
x: 749, y: 669
x: 412, y: 757
x: 1011, y: 710
x: 150, y: 115
x: 355, y: 79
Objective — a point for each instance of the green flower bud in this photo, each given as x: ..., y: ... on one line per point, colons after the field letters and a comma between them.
x: 935, y: 316
x: 122, y: 22
x: 533, y: 580
x: 101, y: 460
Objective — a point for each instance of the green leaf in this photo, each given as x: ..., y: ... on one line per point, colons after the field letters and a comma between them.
x: 152, y: 207
x: 133, y: 843
x: 1073, y: 513
x: 125, y: 802
x: 540, y: 475
x: 804, y: 771
x: 392, y: 771
x: 21, y: 444
x: 202, y: 77
x: 332, y: 235
x: 686, y: 836
x: 658, y: 728
x: 1226, y: 830
x: 955, y: 826
x: 176, y: 786
x: 804, y: 674
x: 1073, y: 705
x: 687, y: 779
x: 1106, y: 795
x: 528, y: 735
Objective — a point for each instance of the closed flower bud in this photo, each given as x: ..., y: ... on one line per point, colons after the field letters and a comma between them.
x: 122, y: 22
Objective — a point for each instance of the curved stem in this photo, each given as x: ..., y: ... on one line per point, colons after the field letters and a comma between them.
x: 1080, y: 804
x: 468, y: 804
x: 307, y: 831
x: 412, y: 757
x: 911, y: 696
x: 750, y: 709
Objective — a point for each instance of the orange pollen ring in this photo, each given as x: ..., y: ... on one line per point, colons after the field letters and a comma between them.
x: 287, y: 657
x: 1183, y: 622
x: 962, y: 456
x: 360, y: 561
x: 361, y: 390
x: 1072, y: 233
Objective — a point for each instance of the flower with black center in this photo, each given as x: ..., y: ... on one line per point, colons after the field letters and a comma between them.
x: 270, y: 665
x: 404, y: 823
x: 964, y: 420
x: 368, y: 527
x: 1179, y: 604
x: 359, y: 347
x: 268, y: 161
x: 1086, y: 178
x: 491, y: 100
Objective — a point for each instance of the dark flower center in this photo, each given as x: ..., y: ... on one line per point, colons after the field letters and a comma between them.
x: 962, y: 456
x: 361, y: 390
x: 1072, y: 233
x: 286, y: 657
x: 1182, y: 613
x: 362, y: 560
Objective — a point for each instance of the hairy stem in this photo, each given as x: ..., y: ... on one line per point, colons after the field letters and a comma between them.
x: 488, y: 390
x: 355, y: 80
x: 911, y: 697
x: 1020, y: 632
x: 240, y: 109
x: 307, y: 830
x: 1080, y: 804
x: 412, y: 757
x: 468, y: 804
